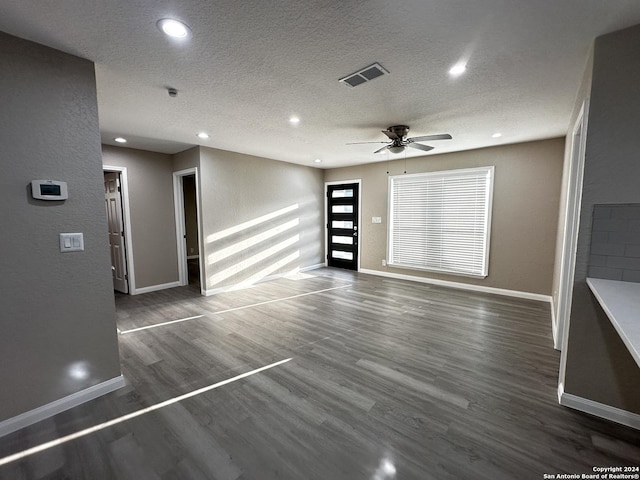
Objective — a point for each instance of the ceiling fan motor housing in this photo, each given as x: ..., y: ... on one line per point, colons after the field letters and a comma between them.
x: 401, y: 131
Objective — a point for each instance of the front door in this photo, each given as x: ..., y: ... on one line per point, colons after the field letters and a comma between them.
x: 113, y: 202
x: 342, y: 229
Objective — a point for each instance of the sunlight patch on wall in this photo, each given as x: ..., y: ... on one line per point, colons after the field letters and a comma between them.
x: 251, y: 223
x: 253, y: 260
x: 251, y: 241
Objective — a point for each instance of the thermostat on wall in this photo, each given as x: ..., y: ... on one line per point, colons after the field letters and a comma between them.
x: 49, y: 190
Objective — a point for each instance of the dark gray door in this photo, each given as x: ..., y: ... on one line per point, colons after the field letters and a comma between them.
x: 342, y: 229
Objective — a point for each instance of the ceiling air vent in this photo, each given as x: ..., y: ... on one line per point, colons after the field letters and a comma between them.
x: 366, y: 74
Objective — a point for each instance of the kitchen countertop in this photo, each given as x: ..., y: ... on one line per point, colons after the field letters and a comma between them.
x: 621, y: 303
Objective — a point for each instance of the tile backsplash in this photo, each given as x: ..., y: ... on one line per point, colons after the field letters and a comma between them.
x: 615, y: 242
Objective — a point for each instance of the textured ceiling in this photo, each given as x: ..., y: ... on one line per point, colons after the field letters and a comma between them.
x: 252, y: 64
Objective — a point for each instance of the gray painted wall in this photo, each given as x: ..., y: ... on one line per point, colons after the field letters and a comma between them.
x: 599, y: 367
x: 58, y: 313
x: 525, y: 211
x: 239, y: 192
x: 153, y: 225
x: 187, y: 159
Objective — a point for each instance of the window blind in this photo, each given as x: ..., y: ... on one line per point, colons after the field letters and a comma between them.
x: 440, y: 221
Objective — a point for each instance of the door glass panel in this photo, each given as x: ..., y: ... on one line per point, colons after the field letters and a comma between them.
x: 342, y: 209
x: 341, y: 224
x: 342, y: 255
x: 342, y: 193
x: 342, y: 240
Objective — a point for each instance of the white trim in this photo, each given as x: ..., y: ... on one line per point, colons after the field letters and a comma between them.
x: 155, y: 288
x: 553, y: 322
x: 326, y: 218
x: 600, y: 410
x: 50, y: 409
x: 128, y: 232
x: 242, y: 286
x: 178, y: 203
x: 570, y: 237
x: 462, y: 286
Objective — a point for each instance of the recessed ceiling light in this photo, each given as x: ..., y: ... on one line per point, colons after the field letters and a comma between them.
x: 294, y: 120
x: 317, y: 160
x: 496, y: 135
x: 458, y: 69
x: 120, y: 140
x: 173, y: 28
x: 203, y: 135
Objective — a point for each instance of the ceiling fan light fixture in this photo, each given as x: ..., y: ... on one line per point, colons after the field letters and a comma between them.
x: 396, y: 148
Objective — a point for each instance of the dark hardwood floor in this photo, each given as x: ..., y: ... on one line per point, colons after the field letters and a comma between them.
x: 388, y: 379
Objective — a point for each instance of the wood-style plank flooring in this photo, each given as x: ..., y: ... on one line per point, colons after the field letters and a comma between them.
x: 388, y: 379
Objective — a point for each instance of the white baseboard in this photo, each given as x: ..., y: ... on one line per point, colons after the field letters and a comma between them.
x: 597, y: 409
x: 50, y: 409
x: 155, y: 288
x: 462, y: 286
x: 554, y: 327
x: 242, y: 286
x: 312, y: 267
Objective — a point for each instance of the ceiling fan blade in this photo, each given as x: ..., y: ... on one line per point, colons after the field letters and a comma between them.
x: 383, y: 148
x: 361, y: 143
x: 424, y: 148
x: 391, y: 135
x: 426, y: 138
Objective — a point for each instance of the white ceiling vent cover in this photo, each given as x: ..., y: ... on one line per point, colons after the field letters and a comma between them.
x: 366, y: 74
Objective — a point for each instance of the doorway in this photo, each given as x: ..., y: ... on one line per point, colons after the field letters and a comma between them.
x: 191, y: 229
x: 116, y: 231
x: 343, y: 207
x: 187, y: 213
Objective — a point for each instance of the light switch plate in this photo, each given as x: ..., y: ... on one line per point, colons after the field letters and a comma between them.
x: 71, y: 242
x: 376, y: 219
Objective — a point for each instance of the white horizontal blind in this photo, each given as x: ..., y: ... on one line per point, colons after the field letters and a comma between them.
x: 440, y: 221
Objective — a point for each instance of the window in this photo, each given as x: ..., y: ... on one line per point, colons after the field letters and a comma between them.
x: 440, y: 221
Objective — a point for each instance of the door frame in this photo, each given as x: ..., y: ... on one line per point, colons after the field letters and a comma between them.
x: 178, y: 202
x: 126, y: 220
x: 570, y: 237
x: 570, y: 228
x: 326, y: 218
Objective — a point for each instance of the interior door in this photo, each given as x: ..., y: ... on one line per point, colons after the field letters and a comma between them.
x: 113, y: 202
x: 342, y: 229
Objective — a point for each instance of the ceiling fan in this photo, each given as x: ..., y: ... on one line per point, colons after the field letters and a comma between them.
x: 399, y: 141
